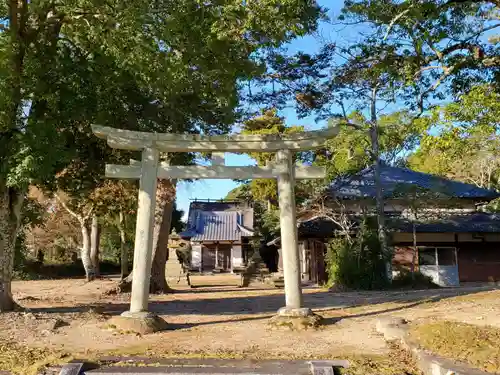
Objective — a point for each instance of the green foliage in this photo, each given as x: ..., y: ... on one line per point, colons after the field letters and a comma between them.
x: 399, y: 134
x: 431, y: 45
x: 266, y: 216
x: 33, y: 270
x: 241, y: 192
x: 110, y: 243
x: 177, y: 224
x: 268, y: 123
x: 357, y: 262
x: 162, y: 67
x: 411, y: 52
x: 464, y: 144
x: 269, y: 223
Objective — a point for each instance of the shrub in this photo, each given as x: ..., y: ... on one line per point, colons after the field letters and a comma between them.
x: 418, y: 280
x: 358, y: 262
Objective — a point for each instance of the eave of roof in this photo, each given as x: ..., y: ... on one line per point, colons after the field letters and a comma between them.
x: 476, y: 222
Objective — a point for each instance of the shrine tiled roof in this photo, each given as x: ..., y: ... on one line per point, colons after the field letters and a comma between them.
x: 217, y: 226
x: 362, y: 184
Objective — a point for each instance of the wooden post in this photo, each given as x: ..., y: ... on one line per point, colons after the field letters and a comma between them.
x: 216, y: 255
x: 231, y: 258
x: 201, y: 258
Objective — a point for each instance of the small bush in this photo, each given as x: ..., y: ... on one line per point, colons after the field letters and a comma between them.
x: 416, y: 281
x: 358, y: 263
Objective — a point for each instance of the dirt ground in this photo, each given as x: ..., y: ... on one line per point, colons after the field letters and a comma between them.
x: 218, y: 317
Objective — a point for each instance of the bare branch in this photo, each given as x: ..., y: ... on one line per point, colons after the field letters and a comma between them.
x: 70, y: 211
x: 334, y: 211
x: 89, y: 214
x: 427, y: 68
x: 394, y: 20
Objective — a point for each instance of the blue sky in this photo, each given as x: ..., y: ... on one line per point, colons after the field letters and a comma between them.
x: 216, y: 189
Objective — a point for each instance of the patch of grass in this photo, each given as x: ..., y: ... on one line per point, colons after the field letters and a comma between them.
x: 478, y: 346
x: 477, y: 296
x: 21, y: 360
x: 397, y: 362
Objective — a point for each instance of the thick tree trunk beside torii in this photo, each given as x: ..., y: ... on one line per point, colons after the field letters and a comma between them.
x: 165, y: 197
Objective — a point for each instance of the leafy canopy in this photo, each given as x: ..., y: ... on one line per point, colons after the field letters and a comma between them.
x: 464, y: 143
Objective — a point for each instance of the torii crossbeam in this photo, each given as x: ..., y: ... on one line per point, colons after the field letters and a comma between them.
x: 149, y: 169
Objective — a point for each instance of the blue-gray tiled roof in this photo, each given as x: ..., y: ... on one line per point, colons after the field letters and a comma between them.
x: 477, y: 222
x: 362, y: 184
x: 217, y: 226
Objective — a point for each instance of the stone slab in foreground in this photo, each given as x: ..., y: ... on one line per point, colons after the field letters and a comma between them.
x: 140, y: 366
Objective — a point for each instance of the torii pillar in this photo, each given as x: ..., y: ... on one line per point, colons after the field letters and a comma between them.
x: 149, y: 170
x: 288, y: 228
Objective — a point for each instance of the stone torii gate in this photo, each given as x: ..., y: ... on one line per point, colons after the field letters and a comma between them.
x: 150, y: 169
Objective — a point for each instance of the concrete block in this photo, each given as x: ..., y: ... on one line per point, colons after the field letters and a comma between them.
x: 72, y: 369
x: 327, y: 367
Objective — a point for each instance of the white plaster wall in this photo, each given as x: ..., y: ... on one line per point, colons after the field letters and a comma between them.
x: 237, y: 256
x: 196, y: 256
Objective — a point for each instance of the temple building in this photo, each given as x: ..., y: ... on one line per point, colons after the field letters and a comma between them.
x: 220, y: 233
x: 457, y: 241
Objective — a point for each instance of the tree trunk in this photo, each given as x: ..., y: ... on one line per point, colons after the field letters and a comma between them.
x: 11, y: 199
x: 95, y: 239
x: 86, y: 250
x: 414, y: 256
x: 11, y: 202
x: 123, y: 247
x: 165, y: 199
x: 379, y: 194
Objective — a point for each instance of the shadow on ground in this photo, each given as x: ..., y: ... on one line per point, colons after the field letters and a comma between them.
x: 263, y: 306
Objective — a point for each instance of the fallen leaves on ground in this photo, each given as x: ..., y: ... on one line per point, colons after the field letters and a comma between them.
x: 479, y: 346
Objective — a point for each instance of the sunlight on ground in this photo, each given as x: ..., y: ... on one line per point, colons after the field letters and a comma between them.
x: 224, y: 321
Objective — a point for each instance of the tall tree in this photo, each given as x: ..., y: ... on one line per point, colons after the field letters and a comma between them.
x: 161, y: 66
x: 268, y: 122
x: 409, y: 53
x: 439, y: 45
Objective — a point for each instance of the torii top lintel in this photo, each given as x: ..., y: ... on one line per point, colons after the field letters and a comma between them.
x: 171, y: 142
